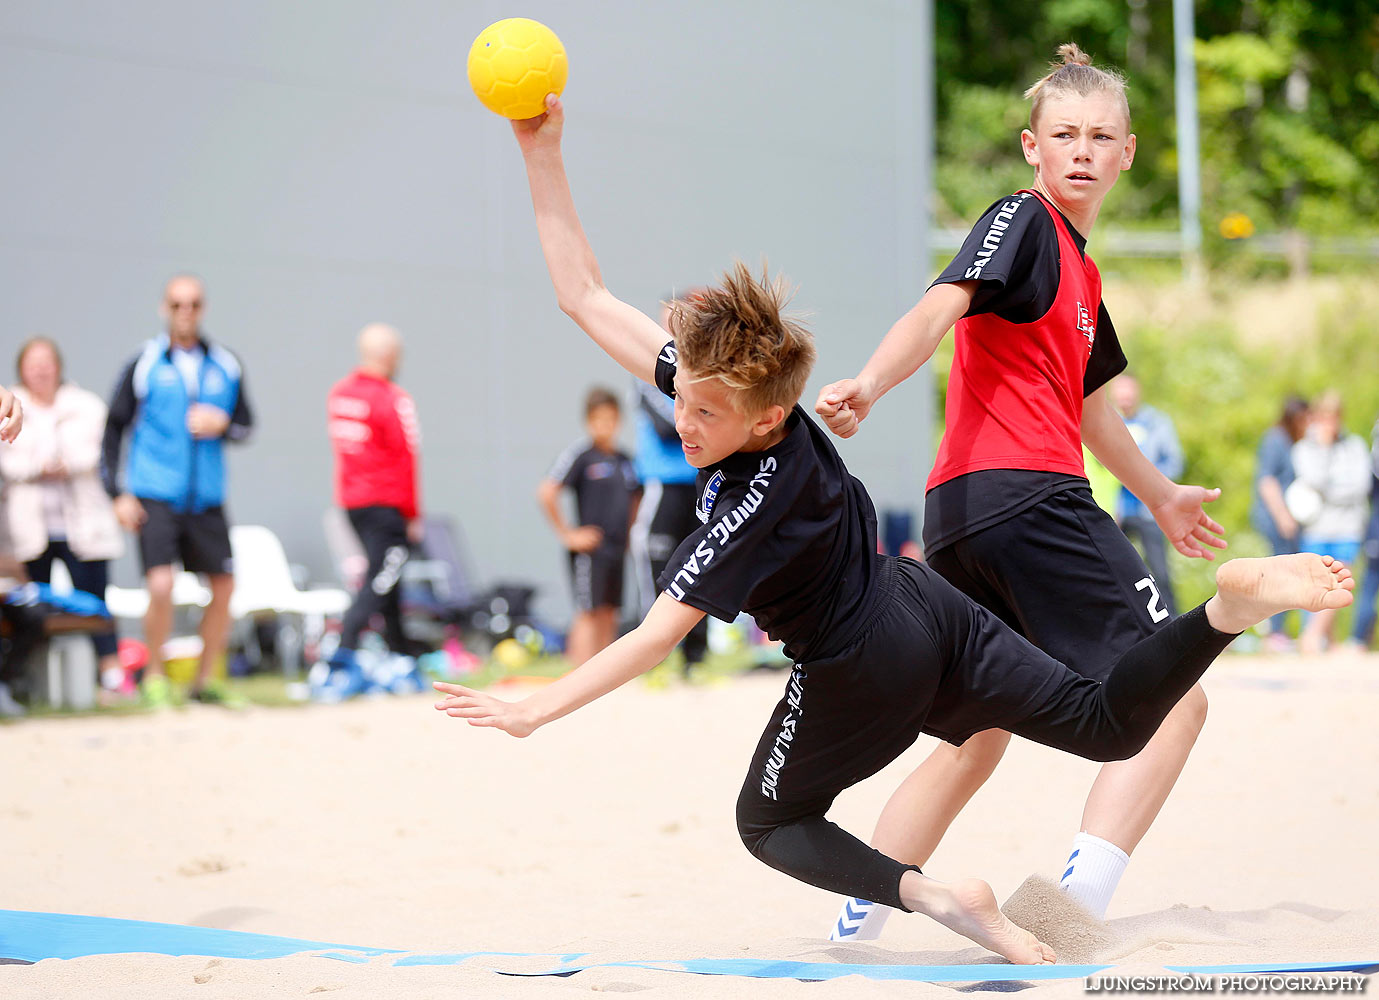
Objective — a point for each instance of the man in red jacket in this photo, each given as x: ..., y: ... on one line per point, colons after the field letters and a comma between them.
x: 375, y: 436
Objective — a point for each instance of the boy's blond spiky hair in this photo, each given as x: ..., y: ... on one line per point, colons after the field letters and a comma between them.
x: 738, y: 333
x: 1073, y: 73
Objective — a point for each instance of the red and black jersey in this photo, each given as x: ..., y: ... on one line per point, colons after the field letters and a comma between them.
x: 375, y: 435
x: 1034, y: 343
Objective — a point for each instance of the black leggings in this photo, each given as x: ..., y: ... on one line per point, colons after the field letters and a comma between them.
x: 383, y: 533
x: 929, y: 653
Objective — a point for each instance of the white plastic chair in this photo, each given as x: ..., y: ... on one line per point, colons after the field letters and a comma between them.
x: 263, y: 579
x: 132, y: 602
x: 264, y: 584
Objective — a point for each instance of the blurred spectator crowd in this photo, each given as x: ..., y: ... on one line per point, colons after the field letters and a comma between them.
x: 84, y: 476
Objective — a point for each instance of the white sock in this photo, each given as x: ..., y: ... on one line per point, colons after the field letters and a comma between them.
x: 860, y: 920
x: 1093, y: 871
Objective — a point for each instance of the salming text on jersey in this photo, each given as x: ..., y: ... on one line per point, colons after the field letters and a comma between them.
x: 999, y: 224
x: 721, y: 530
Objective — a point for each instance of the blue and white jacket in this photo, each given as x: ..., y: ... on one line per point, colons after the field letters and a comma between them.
x: 165, y: 462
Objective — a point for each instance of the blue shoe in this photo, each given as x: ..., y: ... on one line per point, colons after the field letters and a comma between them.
x: 374, y: 671
x: 337, y: 679
x: 407, y: 677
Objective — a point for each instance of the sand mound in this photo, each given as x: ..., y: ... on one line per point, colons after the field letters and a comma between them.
x: 1054, y: 917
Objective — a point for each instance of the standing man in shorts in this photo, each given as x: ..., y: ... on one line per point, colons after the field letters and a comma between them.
x: 181, y: 397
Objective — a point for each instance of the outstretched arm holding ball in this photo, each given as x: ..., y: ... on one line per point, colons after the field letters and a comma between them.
x: 633, y: 340
x: 629, y: 336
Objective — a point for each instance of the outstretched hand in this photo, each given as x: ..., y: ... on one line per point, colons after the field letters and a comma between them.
x: 1187, y: 525
x: 11, y: 416
x: 843, y: 406
x: 543, y: 131
x: 481, y: 709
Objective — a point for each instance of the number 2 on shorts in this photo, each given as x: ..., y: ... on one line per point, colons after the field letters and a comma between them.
x: 1156, y: 611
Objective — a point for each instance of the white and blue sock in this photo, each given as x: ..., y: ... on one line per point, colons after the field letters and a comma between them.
x: 860, y: 920
x: 1092, y: 873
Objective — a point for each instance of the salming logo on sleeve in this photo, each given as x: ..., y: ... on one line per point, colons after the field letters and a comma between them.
x: 668, y: 354
x: 999, y: 224
x: 722, y: 530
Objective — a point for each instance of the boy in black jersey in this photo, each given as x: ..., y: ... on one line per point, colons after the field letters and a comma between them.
x: 884, y: 649
x: 606, y: 493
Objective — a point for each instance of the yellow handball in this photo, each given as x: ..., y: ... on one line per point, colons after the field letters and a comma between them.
x: 514, y: 64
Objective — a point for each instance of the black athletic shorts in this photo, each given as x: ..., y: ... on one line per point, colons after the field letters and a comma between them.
x: 1062, y: 575
x: 596, y: 579
x: 929, y: 661
x: 201, y: 542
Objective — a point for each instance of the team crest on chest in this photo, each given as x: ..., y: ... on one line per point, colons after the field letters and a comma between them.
x: 705, y: 506
x: 1086, y: 325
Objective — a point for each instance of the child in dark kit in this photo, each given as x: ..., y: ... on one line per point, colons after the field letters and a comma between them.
x: 606, y: 493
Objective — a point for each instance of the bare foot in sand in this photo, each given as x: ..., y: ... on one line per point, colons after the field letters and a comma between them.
x: 1251, y: 590
x: 968, y: 906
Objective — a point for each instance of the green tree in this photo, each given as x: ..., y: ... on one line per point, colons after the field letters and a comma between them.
x: 1288, y: 101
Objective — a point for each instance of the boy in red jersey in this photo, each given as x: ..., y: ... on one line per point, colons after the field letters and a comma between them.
x: 374, y: 432
x: 884, y: 649
x: 1009, y: 519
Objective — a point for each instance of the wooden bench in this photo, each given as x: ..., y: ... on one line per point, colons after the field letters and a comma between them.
x: 63, y: 671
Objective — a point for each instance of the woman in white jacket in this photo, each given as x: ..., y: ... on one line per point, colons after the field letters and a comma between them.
x: 55, y: 505
x: 1329, y: 499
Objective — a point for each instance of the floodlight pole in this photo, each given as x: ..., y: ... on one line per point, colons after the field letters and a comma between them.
x: 1189, y: 158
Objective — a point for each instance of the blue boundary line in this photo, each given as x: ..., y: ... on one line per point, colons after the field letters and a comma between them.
x: 33, y: 936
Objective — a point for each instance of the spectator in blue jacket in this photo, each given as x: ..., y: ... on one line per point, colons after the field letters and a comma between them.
x: 182, y: 397
x: 1153, y: 431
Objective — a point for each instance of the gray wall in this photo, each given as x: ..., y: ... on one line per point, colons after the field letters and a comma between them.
x: 325, y: 165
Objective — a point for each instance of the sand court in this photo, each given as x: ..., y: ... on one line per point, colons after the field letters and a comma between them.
x: 610, y: 836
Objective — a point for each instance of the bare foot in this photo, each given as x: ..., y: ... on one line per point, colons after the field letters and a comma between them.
x: 968, y: 906
x: 1251, y: 590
